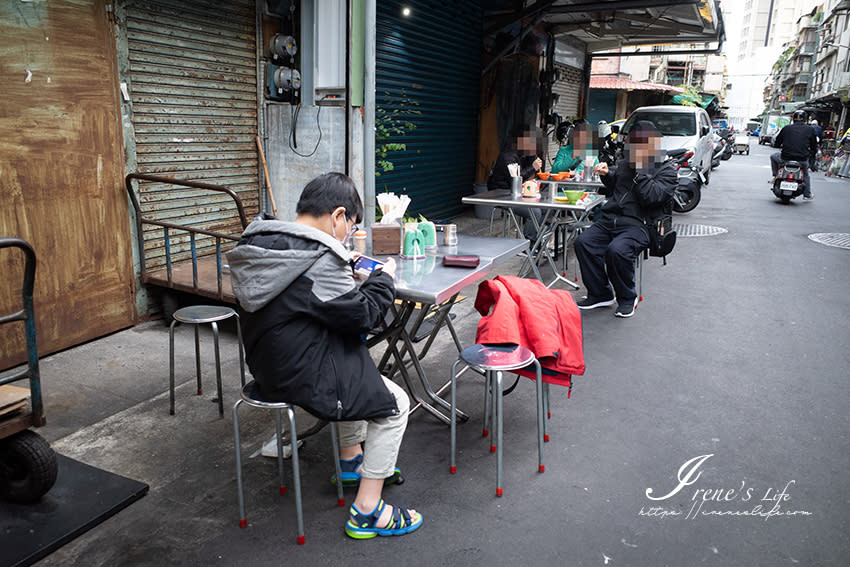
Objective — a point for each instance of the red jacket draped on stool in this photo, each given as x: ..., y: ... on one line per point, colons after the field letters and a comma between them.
x: 526, y: 313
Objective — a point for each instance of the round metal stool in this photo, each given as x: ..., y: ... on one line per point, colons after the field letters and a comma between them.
x: 492, y: 361
x: 252, y: 397
x: 197, y: 315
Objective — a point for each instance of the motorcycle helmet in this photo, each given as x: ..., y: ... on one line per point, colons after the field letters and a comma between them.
x: 604, y: 129
x: 564, y: 132
x: 799, y: 116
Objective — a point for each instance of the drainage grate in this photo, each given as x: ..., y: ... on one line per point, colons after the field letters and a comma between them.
x: 836, y: 239
x: 686, y: 230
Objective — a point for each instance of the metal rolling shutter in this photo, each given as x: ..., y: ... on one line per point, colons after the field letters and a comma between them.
x: 193, y: 85
x: 433, y: 58
x: 568, y: 88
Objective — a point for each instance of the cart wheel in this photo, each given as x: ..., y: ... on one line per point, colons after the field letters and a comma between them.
x: 27, y: 467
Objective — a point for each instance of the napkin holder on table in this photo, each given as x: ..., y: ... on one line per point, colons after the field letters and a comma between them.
x: 386, y: 239
x: 429, y: 235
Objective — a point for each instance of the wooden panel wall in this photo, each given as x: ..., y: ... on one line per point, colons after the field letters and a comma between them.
x: 61, y: 171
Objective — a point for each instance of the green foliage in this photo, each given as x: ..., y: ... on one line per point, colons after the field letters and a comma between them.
x: 392, y: 122
x: 783, y: 59
x: 691, y: 96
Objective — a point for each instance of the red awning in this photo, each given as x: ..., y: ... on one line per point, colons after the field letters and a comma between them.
x: 602, y: 82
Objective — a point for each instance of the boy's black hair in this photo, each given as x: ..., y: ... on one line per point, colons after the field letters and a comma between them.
x: 327, y: 192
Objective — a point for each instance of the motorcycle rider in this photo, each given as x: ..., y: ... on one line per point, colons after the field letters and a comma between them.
x: 799, y: 143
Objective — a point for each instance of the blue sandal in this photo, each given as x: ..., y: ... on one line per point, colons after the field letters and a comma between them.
x: 350, y: 476
x: 362, y: 526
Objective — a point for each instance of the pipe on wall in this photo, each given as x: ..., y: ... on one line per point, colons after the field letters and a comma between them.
x: 369, y: 114
x: 260, y: 7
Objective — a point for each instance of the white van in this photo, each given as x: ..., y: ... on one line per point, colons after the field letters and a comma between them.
x: 681, y: 127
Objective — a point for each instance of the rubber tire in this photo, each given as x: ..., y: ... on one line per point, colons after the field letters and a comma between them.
x: 785, y: 200
x: 689, y: 205
x: 28, y: 467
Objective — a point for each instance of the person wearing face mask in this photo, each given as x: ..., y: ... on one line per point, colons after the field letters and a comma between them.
x: 302, y: 317
x: 607, y: 250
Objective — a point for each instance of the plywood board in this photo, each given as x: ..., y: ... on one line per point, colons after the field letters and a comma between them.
x: 61, y: 154
x: 12, y: 399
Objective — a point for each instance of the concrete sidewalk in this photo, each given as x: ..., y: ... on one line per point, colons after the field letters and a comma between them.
x: 739, y: 351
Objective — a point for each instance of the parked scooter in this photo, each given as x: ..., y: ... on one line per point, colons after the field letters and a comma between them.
x: 611, y: 151
x: 789, y: 182
x: 729, y: 142
x: 719, y: 148
x: 691, y: 179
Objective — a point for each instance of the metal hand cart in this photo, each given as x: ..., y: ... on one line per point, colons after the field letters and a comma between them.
x: 27, y: 463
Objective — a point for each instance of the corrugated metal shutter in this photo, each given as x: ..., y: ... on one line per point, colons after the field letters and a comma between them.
x: 568, y: 87
x: 193, y: 85
x: 432, y: 58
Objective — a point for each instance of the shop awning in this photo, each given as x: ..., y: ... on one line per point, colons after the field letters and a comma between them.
x: 617, y: 83
x: 610, y: 24
x: 827, y: 102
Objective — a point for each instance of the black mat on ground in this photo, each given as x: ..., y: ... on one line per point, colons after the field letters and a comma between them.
x: 82, y: 497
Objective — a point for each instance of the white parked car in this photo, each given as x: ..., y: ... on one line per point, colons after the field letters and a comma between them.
x: 681, y: 127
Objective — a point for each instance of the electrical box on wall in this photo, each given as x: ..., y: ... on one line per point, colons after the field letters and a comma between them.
x: 283, y: 79
x: 323, y: 56
x: 283, y: 83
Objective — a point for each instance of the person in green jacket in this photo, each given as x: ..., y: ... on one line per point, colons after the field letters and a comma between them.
x: 577, y: 144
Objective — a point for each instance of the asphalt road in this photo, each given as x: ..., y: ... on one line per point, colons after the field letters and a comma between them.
x: 726, y: 395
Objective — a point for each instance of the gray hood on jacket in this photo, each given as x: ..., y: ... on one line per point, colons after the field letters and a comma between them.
x: 258, y: 275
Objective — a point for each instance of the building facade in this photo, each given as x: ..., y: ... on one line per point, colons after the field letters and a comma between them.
x: 758, y: 32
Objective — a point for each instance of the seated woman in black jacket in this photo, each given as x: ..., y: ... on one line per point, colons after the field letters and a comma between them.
x: 522, y: 149
x: 640, y: 184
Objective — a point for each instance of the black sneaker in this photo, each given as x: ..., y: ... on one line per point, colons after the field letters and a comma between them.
x: 591, y: 302
x: 626, y: 308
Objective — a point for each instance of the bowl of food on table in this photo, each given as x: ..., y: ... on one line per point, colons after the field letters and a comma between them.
x: 572, y: 196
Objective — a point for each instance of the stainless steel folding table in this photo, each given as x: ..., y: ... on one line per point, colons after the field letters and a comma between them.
x: 429, y: 286
x: 577, y: 215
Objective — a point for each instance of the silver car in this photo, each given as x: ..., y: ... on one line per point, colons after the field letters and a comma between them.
x: 681, y: 127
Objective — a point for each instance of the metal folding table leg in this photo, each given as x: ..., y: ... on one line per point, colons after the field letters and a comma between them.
x: 398, y: 332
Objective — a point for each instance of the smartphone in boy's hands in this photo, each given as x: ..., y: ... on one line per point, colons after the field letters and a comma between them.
x: 364, y: 265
